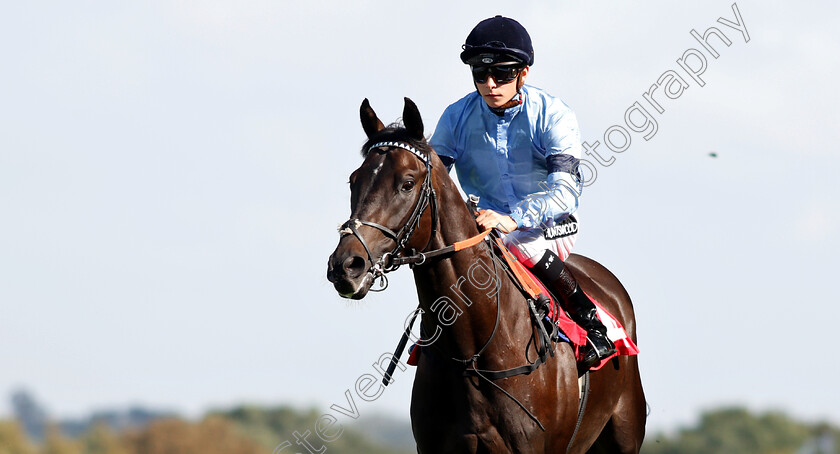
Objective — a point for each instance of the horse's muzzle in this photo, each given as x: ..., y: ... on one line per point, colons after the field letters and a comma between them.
x: 350, y: 275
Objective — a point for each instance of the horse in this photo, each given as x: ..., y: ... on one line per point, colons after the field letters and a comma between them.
x: 474, y: 317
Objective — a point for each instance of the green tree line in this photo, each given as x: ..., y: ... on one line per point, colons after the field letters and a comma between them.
x: 213, y: 435
x: 738, y: 431
x: 254, y: 430
x: 244, y: 430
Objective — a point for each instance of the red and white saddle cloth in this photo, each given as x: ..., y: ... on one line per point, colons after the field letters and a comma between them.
x: 616, y: 333
x: 576, y: 335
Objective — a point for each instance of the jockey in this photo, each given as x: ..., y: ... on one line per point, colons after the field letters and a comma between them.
x: 518, y: 148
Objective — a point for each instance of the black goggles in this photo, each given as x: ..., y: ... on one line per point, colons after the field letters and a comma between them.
x: 501, y: 73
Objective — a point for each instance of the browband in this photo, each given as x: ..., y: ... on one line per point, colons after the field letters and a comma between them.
x: 404, y: 146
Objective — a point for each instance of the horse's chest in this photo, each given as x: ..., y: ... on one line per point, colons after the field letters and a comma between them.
x: 472, y: 429
x: 488, y: 441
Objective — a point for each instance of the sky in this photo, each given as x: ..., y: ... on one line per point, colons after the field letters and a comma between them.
x: 172, y: 174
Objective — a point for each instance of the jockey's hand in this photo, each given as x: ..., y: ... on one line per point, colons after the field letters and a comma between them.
x: 488, y: 219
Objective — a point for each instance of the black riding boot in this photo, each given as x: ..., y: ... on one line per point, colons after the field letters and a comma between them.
x: 581, y: 309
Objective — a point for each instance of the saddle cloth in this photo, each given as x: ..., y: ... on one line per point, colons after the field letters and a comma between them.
x: 575, y: 334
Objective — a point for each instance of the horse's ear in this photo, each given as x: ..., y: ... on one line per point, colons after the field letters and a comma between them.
x: 370, y: 122
x: 411, y: 119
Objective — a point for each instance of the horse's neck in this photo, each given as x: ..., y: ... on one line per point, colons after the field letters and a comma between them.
x: 460, y: 295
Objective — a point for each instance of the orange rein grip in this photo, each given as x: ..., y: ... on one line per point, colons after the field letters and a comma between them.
x: 519, y: 271
x: 470, y: 242
x: 516, y: 266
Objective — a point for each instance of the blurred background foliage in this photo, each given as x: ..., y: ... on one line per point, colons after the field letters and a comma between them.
x: 258, y: 430
x: 737, y: 431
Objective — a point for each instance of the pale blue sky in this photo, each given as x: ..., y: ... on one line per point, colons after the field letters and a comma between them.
x: 172, y: 173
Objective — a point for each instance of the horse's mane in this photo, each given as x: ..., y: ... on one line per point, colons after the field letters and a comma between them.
x: 396, y: 132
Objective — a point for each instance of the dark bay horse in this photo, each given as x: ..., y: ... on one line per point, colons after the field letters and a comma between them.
x: 473, y: 316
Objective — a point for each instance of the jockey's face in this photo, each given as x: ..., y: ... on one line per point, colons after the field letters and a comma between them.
x: 496, y: 94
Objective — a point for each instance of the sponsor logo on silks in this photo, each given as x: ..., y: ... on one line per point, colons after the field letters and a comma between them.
x: 566, y: 228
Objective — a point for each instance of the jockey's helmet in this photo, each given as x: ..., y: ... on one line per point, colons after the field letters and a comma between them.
x: 498, y: 40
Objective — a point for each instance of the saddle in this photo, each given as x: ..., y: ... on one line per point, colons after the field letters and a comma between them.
x: 555, y: 321
x: 555, y: 318
x: 552, y: 322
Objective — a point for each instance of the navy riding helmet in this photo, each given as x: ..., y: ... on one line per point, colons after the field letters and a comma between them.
x: 498, y: 40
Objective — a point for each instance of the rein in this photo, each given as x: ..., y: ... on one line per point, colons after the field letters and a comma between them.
x: 391, y: 261
x: 490, y: 375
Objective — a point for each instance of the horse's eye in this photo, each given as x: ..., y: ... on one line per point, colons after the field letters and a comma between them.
x: 408, y: 185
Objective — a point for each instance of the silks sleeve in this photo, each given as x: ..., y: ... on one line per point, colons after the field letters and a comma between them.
x: 559, y: 138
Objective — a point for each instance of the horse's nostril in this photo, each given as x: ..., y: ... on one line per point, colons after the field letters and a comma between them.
x: 354, y: 266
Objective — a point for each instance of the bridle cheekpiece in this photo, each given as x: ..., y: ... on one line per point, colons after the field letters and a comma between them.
x: 389, y: 261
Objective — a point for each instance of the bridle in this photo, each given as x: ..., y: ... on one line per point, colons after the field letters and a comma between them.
x: 390, y: 260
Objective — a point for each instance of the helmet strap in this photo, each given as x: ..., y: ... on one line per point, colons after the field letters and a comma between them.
x: 519, y: 83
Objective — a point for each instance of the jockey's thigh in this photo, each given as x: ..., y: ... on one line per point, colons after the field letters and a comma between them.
x: 529, y: 244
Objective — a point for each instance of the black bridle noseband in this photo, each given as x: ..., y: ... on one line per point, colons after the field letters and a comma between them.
x: 389, y: 261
